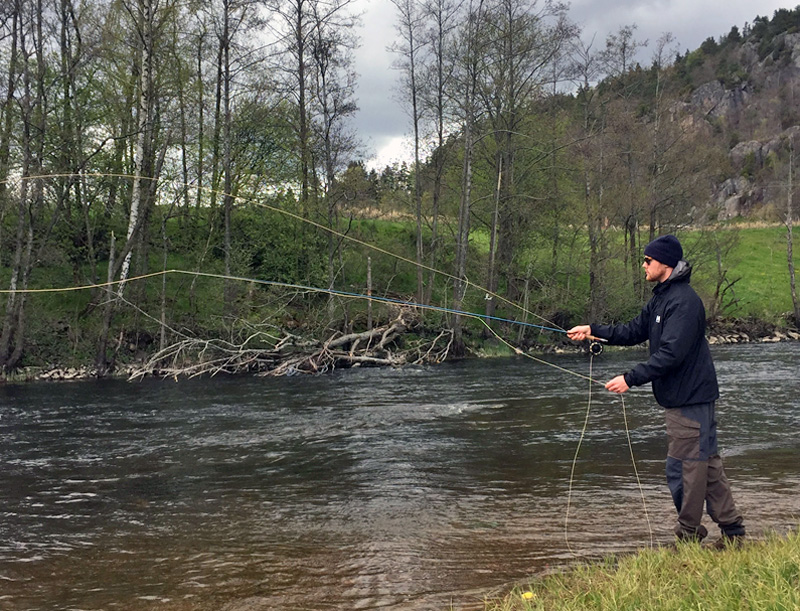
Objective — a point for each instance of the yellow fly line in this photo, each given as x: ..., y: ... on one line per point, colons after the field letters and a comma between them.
x: 582, y: 436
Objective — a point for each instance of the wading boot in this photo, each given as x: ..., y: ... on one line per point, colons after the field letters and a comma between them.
x: 726, y: 542
x: 690, y: 536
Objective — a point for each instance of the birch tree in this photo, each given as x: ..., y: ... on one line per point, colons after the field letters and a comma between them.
x: 149, y: 20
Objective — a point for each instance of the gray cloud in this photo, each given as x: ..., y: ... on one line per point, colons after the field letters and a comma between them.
x: 381, y: 120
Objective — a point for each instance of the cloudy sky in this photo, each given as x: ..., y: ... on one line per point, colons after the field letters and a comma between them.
x: 384, y: 125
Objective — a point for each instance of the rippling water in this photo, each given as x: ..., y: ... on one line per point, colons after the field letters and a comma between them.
x: 417, y: 488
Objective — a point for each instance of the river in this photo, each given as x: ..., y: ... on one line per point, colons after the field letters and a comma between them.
x: 416, y: 488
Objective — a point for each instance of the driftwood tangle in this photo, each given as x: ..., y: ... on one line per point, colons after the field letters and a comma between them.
x: 291, y: 355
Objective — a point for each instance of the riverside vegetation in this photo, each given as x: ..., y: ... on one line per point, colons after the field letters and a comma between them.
x: 760, y: 575
x: 755, y: 307
x: 141, y: 137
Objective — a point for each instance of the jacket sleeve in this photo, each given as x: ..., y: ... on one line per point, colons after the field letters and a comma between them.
x: 681, y: 326
x: 629, y: 334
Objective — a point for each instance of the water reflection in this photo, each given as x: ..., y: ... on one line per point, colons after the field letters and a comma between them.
x: 406, y: 489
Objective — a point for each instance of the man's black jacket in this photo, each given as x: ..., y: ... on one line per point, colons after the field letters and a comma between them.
x: 674, y: 320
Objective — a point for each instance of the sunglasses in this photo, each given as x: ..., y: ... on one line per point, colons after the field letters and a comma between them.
x: 648, y: 260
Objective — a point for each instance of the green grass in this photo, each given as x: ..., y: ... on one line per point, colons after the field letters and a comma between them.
x: 761, y: 575
x: 760, y: 260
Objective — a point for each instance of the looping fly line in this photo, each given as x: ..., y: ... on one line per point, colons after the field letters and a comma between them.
x: 345, y: 294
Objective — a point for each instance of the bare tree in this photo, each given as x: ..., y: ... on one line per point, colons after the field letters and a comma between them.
x: 469, y: 60
x: 789, y: 221
x: 617, y: 58
x: 520, y: 40
x: 591, y: 162
x: 334, y: 81
x: 319, y: 91
x: 721, y: 241
x: 443, y: 16
x: 409, y: 48
x: 295, y: 30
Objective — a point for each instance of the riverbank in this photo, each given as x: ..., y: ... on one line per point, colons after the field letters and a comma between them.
x: 760, y: 575
x: 733, y: 331
x: 736, y: 331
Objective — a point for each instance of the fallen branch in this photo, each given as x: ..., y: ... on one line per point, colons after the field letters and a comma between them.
x: 290, y: 355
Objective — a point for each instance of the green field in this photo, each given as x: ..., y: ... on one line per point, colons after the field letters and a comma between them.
x: 760, y: 260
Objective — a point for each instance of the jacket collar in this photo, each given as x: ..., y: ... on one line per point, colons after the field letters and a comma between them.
x: 681, y: 273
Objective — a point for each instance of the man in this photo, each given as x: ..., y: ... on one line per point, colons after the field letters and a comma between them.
x: 684, y: 382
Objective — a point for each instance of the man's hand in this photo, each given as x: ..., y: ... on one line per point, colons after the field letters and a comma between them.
x: 579, y: 333
x: 617, y: 385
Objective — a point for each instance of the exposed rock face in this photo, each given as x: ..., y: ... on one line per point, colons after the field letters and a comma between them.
x: 763, y: 108
x: 743, y: 150
x: 739, y: 195
x: 759, y: 150
x: 713, y: 100
x: 793, y: 40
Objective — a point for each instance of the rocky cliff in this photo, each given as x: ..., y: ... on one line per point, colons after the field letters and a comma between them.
x: 752, y: 109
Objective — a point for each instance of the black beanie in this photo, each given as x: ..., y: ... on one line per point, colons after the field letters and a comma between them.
x: 665, y: 249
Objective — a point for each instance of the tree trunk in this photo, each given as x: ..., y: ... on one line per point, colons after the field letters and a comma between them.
x: 227, y: 145
x: 465, y: 202
x: 12, y: 301
x: 182, y: 112
x: 302, y: 106
x: 789, y: 236
x: 101, y: 360
x: 462, y: 240
x: 440, y: 14
x: 491, y: 280
x: 409, y: 49
x: 415, y: 113
x: 34, y: 127
x: 8, y: 123
x: 144, y: 129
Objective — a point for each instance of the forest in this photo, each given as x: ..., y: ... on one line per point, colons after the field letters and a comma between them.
x: 182, y: 190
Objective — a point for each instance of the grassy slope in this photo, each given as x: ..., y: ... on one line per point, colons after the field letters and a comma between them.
x: 761, y: 575
x: 760, y: 260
